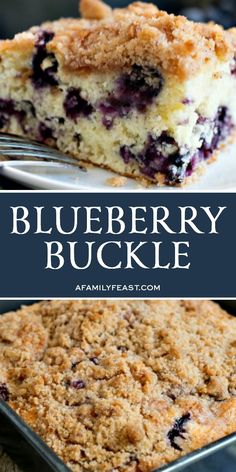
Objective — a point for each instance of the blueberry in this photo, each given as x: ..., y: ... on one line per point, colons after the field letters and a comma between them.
x: 139, y: 87
x: 44, y: 77
x: 44, y: 37
x: 78, y: 384
x: 7, y: 106
x: 78, y: 138
x: 187, y: 101
x: 151, y: 159
x: 3, y: 121
x: 126, y: 154
x: 162, y: 154
x: 111, y: 109
x: 4, y: 392
x: 8, y: 109
x: 44, y: 132
x: 233, y: 67
x: 223, y: 126
x: 178, y: 431
x: 202, y: 120
x: 28, y: 108
x: 75, y: 105
x: 134, y: 90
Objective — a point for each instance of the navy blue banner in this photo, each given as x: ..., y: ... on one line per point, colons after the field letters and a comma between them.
x: 117, y: 245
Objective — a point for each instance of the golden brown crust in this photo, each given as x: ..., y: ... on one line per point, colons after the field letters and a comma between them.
x: 103, y: 382
x: 139, y: 34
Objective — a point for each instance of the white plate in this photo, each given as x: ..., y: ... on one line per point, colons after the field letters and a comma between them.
x: 219, y: 176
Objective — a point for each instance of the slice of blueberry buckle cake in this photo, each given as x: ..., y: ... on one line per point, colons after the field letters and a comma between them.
x: 136, y: 90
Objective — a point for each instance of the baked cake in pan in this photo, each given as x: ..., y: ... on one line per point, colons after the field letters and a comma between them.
x: 136, y: 90
x: 121, y: 386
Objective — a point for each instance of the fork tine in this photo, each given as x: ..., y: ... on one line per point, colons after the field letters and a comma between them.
x: 21, y: 163
x: 41, y: 155
x: 33, y: 147
x: 4, y: 142
x: 17, y: 147
x: 19, y: 141
x: 28, y: 147
x: 5, y: 139
x: 37, y: 154
x: 14, y: 137
x: 28, y: 153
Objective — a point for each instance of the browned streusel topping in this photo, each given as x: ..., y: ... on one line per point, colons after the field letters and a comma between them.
x: 108, y: 39
x: 121, y: 385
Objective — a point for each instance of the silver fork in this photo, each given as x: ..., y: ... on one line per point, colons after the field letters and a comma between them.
x: 15, y: 147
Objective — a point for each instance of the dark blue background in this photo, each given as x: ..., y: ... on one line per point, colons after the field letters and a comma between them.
x: 213, y: 257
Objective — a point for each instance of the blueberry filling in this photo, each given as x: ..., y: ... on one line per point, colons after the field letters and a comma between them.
x: 8, y: 109
x: 43, y: 77
x: 233, y: 67
x: 223, y: 126
x: 163, y: 155
x: 3, y: 121
x: 187, y: 101
x: 75, y: 105
x: 178, y: 431
x: 44, y: 132
x: 28, y: 108
x: 44, y: 37
x: 155, y: 156
x: 134, y: 90
x: 122, y: 348
x: 126, y: 154
x: 77, y: 138
x: 78, y: 384
x: 4, y: 392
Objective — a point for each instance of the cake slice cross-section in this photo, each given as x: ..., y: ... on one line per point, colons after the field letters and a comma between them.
x: 136, y: 90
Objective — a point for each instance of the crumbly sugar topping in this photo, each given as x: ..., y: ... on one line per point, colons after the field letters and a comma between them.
x: 106, y: 39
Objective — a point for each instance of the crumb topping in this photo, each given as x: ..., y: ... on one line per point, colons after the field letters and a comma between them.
x: 106, y: 39
x: 94, y: 10
x: 121, y: 385
x: 118, y: 181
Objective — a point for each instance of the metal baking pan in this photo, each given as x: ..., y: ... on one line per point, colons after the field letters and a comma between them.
x: 32, y: 454
x: 25, y: 447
